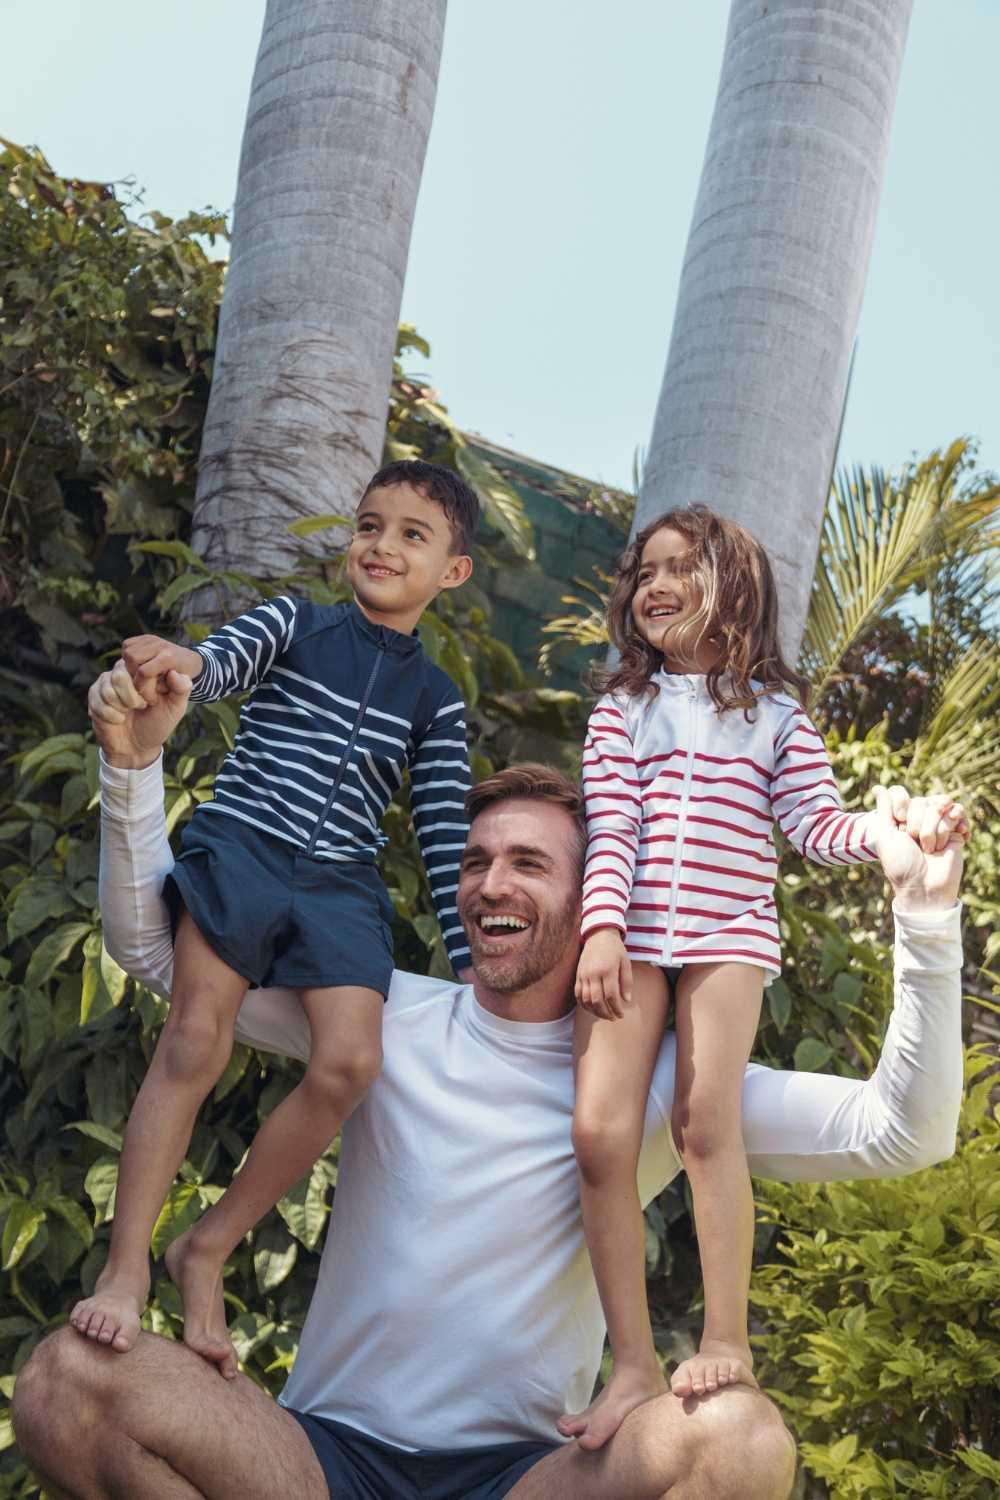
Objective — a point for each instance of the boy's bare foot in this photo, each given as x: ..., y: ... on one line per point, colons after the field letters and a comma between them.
x: 629, y: 1387
x: 111, y: 1316
x: 716, y: 1364
x: 197, y: 1275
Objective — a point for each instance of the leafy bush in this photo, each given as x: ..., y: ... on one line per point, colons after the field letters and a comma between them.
x: 883, y: 1330
x: 107, y: 330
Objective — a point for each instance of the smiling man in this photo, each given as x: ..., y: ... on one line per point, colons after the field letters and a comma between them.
x: 455, y: 1316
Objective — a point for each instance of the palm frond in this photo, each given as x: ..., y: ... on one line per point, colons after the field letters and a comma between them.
x: 584, y: 625
x: 960, y: 747
x: 881, y: 536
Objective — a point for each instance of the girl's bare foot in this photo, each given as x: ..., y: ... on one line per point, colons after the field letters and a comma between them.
x: 629, y: 1387
x: 716, y: 1364
x: 111, y: 1316
x: 197, y: 1275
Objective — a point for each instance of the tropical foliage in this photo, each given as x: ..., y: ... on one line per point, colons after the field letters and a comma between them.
x: 878, y: 1331
x: 107, y: 326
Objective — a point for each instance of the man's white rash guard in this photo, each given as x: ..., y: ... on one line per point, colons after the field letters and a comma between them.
x: 455, y: 1304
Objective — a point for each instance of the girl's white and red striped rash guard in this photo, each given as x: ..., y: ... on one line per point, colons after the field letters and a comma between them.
x: 681, y: 801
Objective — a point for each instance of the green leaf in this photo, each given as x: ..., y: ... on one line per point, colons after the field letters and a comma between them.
x: 310, y: 524
x: 274, y: 1257
x: 180, y: 1210
x: 37, y: 901
x: 73, y: 1215
x: 179, y: 550
x: 53, y: 950
x: 100, y: 1183
x: 97, y: 1132
x: 304, y: 1209
x: 22, y: 1224
x: 811, y: 1054
x: 980, y: 1463
x: 779, y: 1003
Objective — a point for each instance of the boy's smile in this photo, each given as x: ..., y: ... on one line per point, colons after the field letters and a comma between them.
x: 400, y: 556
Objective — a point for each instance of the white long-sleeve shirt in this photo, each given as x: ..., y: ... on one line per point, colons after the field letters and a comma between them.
x: 680, y: 803
x: 455, y: 1303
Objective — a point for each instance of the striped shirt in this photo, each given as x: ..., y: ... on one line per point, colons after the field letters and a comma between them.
x: 681, y: 803
x: 338, y: 709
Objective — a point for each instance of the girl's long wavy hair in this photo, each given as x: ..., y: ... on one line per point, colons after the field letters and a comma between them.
x: 732, y: 583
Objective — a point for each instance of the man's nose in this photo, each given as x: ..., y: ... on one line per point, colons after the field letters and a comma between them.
x: 495, y: 882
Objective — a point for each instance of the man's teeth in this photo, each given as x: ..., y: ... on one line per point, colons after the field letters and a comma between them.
x: 517, y: 924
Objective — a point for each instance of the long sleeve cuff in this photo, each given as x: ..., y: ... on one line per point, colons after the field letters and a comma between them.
x: 130, y: 795
x: 929, y: 942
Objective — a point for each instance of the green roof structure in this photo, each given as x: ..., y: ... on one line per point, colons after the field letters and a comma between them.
x: 579, y: 526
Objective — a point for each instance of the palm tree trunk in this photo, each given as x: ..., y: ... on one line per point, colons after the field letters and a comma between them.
x: 340, y: 111
x: 774, y: 274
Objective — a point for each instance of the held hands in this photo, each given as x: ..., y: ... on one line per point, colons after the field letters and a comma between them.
x: 604, y: 975
x: 920, y: 845
x: 129, y: 728
x: 148, y: 659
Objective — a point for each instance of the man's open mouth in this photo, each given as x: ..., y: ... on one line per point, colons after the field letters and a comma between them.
x: 501, y: 924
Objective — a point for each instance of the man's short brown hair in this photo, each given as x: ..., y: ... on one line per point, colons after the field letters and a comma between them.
x: 536, y: 783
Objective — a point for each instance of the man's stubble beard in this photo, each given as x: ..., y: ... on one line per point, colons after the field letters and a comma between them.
x: 508, y: 973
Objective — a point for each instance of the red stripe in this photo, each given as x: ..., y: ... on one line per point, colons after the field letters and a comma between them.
x: 713, y: 953
x: 604, y: 890
x: 609, y: 833
x: 668, y: 838
x: 592, y: 780
x: 804, y: 794
x: 730, y: 827
x: 750, y: 812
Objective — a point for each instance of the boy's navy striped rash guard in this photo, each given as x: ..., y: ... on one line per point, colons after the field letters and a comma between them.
x: 339, y: 708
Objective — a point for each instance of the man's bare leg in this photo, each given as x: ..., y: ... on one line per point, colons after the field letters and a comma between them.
x: 156, y: 1422
x: 732, y: 1445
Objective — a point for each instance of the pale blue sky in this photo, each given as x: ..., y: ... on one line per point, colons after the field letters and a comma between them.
x: 557, y: 196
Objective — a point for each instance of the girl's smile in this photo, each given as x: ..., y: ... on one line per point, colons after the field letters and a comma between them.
x: 665, y: 599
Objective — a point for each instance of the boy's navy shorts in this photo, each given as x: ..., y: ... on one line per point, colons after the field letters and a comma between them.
x: 277, y: 915
x: 358, y: 1467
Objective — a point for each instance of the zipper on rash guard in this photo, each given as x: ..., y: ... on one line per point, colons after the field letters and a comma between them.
x: 668, y: 951
x: 352, y: 741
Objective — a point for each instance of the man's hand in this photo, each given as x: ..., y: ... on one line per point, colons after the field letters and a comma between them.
x: 130, y: 730
x: 920, y: 844
x: 604, y: 975
x: 148, y: 658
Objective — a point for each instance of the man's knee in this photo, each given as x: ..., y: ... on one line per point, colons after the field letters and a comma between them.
x: 747, y: 1453
x: 50, y: 1390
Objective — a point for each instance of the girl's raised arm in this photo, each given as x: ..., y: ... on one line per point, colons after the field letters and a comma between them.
x: 806, y: 802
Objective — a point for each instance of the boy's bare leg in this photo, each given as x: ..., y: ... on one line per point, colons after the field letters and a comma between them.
x: 159, y: 1425
x: 718, y: 1008
x: 192, y: 1051
x: 614, y: 1066
x: 345, y: 1058
x: 730, y: 1446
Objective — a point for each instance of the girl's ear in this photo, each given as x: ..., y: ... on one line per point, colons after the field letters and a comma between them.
x: 458, y: 571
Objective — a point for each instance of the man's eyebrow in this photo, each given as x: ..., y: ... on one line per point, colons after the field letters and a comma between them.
x: 478, y: 851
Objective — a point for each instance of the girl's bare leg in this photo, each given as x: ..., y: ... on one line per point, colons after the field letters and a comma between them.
x: 192, y: 1051
x: 718, y: 1008
x: 614, y: 1067
x: 345, y: 1058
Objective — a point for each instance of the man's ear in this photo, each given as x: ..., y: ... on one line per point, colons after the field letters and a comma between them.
x: 458, y: 571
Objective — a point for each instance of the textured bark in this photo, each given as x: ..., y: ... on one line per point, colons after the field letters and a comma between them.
x: 333, y: 149
x: 774, y: 274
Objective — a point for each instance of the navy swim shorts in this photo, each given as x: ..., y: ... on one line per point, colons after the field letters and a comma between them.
x: 358, y: 1467
x: 277, y: 915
